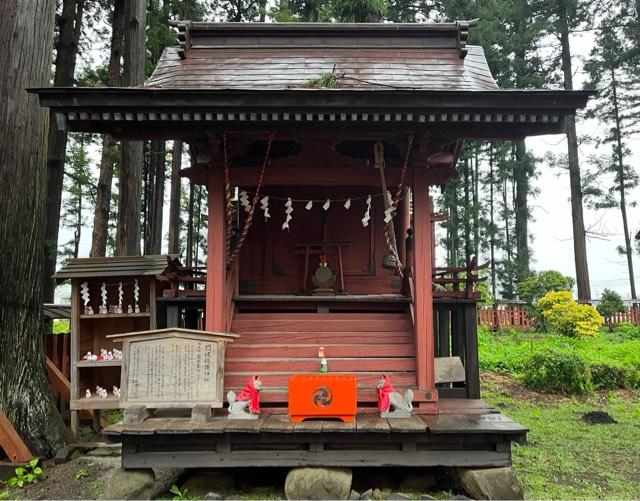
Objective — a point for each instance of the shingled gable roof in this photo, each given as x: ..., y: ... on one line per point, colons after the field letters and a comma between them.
x: 290, y: 56
x: 228, y: 74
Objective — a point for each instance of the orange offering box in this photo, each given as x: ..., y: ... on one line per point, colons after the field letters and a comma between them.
x: 323, y: 396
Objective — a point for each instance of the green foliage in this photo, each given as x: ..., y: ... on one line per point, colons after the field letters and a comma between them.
x: 613, y: 359
x: 180, y: 494
x: 326, y: 80
x: 358, y: 11
x: 610, y: 303
x: 612, y: 377
x: 81, y: 473
x: 557, y: 372
x: 60, y: 326
x: 627, y: 330
x: 567, y: 317
x: 539, y: 283
x: 30, y: 473
x: 4, y: 494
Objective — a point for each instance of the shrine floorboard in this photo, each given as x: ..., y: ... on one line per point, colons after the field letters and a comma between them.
x: 466, y: 433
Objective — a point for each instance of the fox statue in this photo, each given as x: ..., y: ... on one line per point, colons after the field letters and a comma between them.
x: 246, y: 405
x: 392, y: 404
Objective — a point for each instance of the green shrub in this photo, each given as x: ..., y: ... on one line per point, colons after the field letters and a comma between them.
x: 627, y: 330
x: 557, y: 371
x: 608, y: 377
x: 538, y: 284
x: 567, y: 317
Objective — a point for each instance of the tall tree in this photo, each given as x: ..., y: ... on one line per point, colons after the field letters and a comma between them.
x: 564, y: 16
x: 611, y: 70
x: 26, y: 40
x: 79, y: 191
x: 174, y: 202
x: 110, y: 152
x: 128, y: 231
x: 69, y: 30
x: 358, y: 11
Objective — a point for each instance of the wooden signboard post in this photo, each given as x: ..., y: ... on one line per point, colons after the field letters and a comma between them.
x: 172, y: 368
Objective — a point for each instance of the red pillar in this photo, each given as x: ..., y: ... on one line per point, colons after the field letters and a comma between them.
x: 216, y: 249
x: 425, y: 374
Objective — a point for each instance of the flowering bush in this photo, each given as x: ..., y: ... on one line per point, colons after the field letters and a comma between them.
x: 567, y: 317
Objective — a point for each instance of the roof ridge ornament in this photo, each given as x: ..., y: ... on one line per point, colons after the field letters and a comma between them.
x: 184, y: 37
x: 463, y: 35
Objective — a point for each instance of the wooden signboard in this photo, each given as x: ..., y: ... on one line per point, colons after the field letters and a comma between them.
x: 172, y: 368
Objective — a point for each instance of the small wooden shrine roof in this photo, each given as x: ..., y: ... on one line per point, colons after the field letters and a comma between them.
x: 257, y: 76
x: 116, y: 266
x: 289, y: 56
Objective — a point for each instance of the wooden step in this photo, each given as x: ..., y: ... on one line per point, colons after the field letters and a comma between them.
x: 302, y: 365
x: 240, y: 325
x: 332, y: 351
x: 320, y: 338
x: 270, y: 380
x: 320, y: 316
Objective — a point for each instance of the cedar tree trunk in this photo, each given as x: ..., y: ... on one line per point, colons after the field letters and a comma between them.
x: 128, y: 232
x: 66, y: 51
x: 174, y: 202
x: 100, y: 232
x: 579, y: 234
x: 26, y: 39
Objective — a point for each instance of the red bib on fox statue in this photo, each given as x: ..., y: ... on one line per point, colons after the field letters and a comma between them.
x: 385, y: 388
x: 251, y: 394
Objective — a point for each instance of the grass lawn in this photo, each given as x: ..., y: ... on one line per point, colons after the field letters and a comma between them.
x: 567, y: 458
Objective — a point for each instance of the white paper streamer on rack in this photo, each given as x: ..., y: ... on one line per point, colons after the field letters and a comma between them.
x: 309, y: 205
x: 243, y: 198
x: 103, y: 294
x: 388, y: 213
x: 84, y: 292
x: 367, y: 213
x: 264, y: 205
x: 347, y: 204
x: 288, y: 211
x: 136, y: 292
x: 327, y: 204
x: 120, y: 296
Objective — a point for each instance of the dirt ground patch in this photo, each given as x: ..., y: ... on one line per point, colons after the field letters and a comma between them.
x: 61, y: 481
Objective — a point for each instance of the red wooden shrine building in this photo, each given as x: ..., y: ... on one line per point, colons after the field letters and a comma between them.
x: 344, y: 127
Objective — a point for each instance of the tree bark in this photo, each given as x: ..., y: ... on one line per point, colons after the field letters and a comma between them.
x: 174, y: 202
x: 155, y: 197
x: 521, y: 209
x: 128, y: 231
x: 621, y: 186
x: 65, y: 64
x: 579, y: 234
x: 26, y: 40
x: 100, y: 232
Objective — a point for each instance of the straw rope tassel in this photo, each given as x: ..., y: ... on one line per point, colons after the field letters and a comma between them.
x: 256, y: 198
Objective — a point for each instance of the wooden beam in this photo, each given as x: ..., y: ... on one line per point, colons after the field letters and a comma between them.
x: 216, y: 252
x: 425, y: 373
x: 11, y: 443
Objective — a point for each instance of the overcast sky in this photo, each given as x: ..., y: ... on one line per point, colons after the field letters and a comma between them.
x: 552, y: 246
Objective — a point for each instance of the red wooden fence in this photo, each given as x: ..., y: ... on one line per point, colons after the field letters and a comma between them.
x: 630, y: 315
x: 504, y: 316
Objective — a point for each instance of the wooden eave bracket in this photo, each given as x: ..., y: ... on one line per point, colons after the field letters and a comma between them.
x: 184, y: 38
x: 463, y: 36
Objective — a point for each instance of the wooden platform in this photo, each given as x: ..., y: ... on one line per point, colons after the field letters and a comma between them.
x: 465, y: 433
